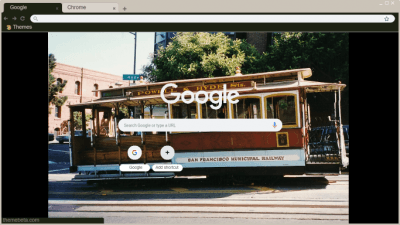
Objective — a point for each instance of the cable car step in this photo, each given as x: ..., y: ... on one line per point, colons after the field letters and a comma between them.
x: 324, y: 174
x: 324, y: 158
x: 320, y: 168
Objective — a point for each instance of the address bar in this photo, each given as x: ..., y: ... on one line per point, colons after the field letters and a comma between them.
x: 225, y: 18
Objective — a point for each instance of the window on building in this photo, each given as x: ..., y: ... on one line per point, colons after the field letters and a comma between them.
x: 247, y: 108
x: 209, y: 113
x: 77, y: 88
x: 283, y: 108
x: 184, y: 111
x: 160, y: 36
x: 95, y: 87
x: 59, y: 81
x: 58, y: 111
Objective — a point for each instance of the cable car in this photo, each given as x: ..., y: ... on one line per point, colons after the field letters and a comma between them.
x: 280, y: 94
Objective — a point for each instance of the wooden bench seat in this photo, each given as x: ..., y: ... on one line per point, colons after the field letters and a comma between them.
x: 107, y: 150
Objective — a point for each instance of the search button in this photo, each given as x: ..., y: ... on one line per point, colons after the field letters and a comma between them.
x: 34, y: 18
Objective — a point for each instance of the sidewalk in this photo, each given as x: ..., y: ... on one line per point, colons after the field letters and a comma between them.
x: 56, y: 142
x: 61, y: 177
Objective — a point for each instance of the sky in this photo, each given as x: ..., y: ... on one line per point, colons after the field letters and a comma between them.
x: 109, y: 52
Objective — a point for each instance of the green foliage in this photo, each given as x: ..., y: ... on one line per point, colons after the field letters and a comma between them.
x: 327, y: 54
x: 123, y: 112
x: 252, y: 63
x: 78, y: 120
x: 200, y: 55
x: 53, y: 87
x: 148, y: 70
x: 52, y: 62
x: 283, y: 104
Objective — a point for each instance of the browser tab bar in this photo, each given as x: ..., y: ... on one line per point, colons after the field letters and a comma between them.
x: 89, y: 7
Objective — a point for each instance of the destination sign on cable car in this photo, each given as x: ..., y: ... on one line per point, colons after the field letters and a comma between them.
x: 208, y: 87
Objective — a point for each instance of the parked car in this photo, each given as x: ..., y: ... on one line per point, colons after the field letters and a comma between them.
x: 79, y: 133
x: 62, y: 138
x: 51, y: 137
x: 65, y: 138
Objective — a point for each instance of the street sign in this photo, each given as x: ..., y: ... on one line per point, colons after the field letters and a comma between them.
x: 131, y: 76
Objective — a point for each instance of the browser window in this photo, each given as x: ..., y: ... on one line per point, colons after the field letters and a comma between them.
x: 208, y: 112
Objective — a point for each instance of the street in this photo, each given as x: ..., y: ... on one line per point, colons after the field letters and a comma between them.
x: 58, y: 157
x: 184, y: 200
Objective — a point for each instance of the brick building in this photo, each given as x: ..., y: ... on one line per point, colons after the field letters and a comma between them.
x: 80, y: 84
x: 260, y: 40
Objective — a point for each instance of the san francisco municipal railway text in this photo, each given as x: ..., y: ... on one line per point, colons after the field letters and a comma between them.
x: 230, y: 159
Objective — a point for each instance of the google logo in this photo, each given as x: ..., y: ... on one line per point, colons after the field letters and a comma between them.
x: 134, y: 152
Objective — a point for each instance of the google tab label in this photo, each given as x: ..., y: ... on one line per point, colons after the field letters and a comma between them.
x: 134, y: 167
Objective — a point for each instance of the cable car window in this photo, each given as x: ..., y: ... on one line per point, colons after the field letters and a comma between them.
x: 184, y: 111
x: 209, y: 113
x: 247, y: 108
x: 283, y: 108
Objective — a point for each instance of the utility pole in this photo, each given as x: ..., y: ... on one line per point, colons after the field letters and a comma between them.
x: 134, y: 59
x: 134, y: 71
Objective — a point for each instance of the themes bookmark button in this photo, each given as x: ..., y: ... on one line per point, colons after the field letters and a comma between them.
x: 167, y: 168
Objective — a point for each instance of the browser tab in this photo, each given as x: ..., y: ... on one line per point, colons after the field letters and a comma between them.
x: 89, y: 7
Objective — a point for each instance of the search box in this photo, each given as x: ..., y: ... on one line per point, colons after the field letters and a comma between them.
x: 221, y: 18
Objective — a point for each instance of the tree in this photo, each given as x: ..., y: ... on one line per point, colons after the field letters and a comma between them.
x: 54, y: 87
x: 64, y: 126
x: 149, y: 70
x: 327, y: 54
x: 200, y: 55
x: 123, y: 112
x: 78, y: 120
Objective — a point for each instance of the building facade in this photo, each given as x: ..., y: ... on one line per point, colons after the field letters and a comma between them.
x: 80, y: 85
